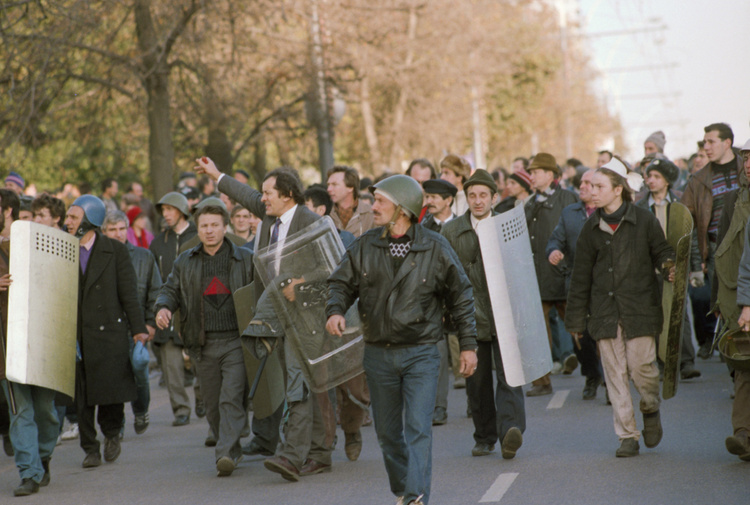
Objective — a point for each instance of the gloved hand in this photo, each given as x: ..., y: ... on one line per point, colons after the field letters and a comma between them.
x: 697, y: 279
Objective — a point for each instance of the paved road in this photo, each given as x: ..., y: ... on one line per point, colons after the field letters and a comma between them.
x: 567, y: 458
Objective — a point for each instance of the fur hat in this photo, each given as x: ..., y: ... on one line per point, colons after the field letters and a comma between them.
x: 666, y: 168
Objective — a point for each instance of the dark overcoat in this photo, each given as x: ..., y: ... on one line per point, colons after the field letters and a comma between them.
x: 108, y: 312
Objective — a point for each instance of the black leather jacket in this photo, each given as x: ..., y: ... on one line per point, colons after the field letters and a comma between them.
x: 147, y: 278
x: 404, y: 307
x: 183, y: 290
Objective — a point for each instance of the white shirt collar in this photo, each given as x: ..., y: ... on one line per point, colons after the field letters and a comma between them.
x: 287, y: 216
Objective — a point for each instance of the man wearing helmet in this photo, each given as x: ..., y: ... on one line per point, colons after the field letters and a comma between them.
x: 175, y: 210
x: 402, y: 273
x: 107, y: 291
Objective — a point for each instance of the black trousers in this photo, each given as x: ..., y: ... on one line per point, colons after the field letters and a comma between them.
x: 493, y: 412
x: 591, y: 367
x: 109, y: 417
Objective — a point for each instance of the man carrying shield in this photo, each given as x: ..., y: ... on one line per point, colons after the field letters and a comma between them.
x: 402, y: 275
x: 500, y: 414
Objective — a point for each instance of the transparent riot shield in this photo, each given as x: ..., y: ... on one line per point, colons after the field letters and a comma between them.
x: 514, y: 294
x: 294, y: 272
x: 42, y: 307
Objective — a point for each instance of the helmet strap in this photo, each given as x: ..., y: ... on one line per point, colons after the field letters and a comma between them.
x: 389, y: 227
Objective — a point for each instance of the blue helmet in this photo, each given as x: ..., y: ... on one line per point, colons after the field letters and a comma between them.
x: 93, y: 213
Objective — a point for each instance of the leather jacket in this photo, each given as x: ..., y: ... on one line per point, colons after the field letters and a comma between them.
x: 404, y: 307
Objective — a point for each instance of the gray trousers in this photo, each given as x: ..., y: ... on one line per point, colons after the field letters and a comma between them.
x: 224, y: 388
x: 310, y: 430
x: 173, y: 371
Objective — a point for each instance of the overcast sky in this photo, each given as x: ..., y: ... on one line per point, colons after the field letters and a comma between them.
x: 701, y: 74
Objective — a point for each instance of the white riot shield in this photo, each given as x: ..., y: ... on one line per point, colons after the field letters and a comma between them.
x: 295, y: 272
x: 42, y: 307
x: 514, y: 294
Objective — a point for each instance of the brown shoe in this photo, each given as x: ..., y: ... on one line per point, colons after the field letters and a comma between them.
x: 541, y: 390
x: 311, y: 467
x: 282, y: 466
x: 739, y: 445
x: 353, y: 445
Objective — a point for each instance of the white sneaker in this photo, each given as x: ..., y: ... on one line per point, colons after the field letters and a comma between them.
x: 72, y: 432
x: 557, y: 368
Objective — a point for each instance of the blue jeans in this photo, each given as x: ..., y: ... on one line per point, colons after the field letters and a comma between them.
x: 140, y: 405
x: 403, y: 385
x: 33, y: 429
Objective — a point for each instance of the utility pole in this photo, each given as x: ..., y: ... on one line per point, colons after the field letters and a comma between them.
x: 320, y: 104
x: 479, y: 161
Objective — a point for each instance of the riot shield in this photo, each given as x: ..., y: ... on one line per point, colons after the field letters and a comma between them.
x: 42, y: 307
x: 295, y: 272
x: 267, y: 379
x: 679, y: 229
x: 514, y: 294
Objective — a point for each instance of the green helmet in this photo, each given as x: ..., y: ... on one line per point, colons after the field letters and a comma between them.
x: 212, y: 201
x: 176, y: 200
x: 734, y: 346
x: 403, y: 191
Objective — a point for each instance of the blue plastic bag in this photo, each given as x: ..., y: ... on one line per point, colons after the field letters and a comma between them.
x: 140, y: 357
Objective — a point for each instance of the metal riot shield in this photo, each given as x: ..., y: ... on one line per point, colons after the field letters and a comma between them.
x: 267, y: 379
x: 679, y: 230
x: 514, y: 294
x: 42, y: 307
x: 294, y: 272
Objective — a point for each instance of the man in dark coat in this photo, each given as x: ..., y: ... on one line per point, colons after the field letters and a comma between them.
x: 149, y: 282
x: 309, y: 439
x: 165, y: 247
x: 498, y: 414
x: 542, y: 214
x: 108, y: 313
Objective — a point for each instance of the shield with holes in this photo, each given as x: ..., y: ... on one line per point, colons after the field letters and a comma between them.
x: 42, y: 307
x: 514, y: 294
x: 294, y: 272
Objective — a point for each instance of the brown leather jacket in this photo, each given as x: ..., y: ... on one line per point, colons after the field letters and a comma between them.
x: 699, y: 199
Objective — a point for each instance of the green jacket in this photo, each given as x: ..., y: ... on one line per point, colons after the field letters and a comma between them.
x: 462, y: 237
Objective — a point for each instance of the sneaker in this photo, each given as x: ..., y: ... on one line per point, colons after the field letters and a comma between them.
x: 27, y: 487
x: 652, y: 430
x: 112, y: 449
x: 629, y: 447
x: 141, y: 423
x: 570, y: 364
x: 482, y: 449
x: 557, y: 368
x: 181, y: 420
x: 512, y: 441
x: 72, y: 432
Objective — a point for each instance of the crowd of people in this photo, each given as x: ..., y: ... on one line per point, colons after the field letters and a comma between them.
x: 164, y: 275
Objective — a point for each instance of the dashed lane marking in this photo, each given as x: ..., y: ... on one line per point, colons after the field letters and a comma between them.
x: 558, y: 399
x: 498, y: 489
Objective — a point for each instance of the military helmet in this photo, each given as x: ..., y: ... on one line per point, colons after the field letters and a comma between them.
x: 212, y: 201
x: 93, y: 213
x: 176, y: 200
x: 735, y: 347
x: 403, y: 191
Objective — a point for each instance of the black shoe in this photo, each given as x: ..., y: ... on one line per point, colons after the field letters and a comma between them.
x: 512, y: 441
x: 482, y: 449
x: 541, y: 390
x: 200, y: 409
x: 210, y: 439
x: 26, y: 488
x: 8, y: 446
x: 592, y: 385
x: 439, y: 417
x: 141, y: 423
x: 652, y: 430
x: 253, y: 448
x: 181, y: 421
x: 92, y: 460
x: 47, y: 476
x: 112, y: 449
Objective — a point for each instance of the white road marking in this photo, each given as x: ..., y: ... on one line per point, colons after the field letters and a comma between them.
x: 558, y: 399
x: 498, y: 489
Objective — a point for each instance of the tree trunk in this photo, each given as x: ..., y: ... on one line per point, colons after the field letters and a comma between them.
x: 398, y: 116
x: 219, y: 148
x: 369, y: 123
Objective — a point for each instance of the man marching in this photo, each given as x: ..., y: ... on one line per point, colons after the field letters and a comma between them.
x: 402, y: 274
